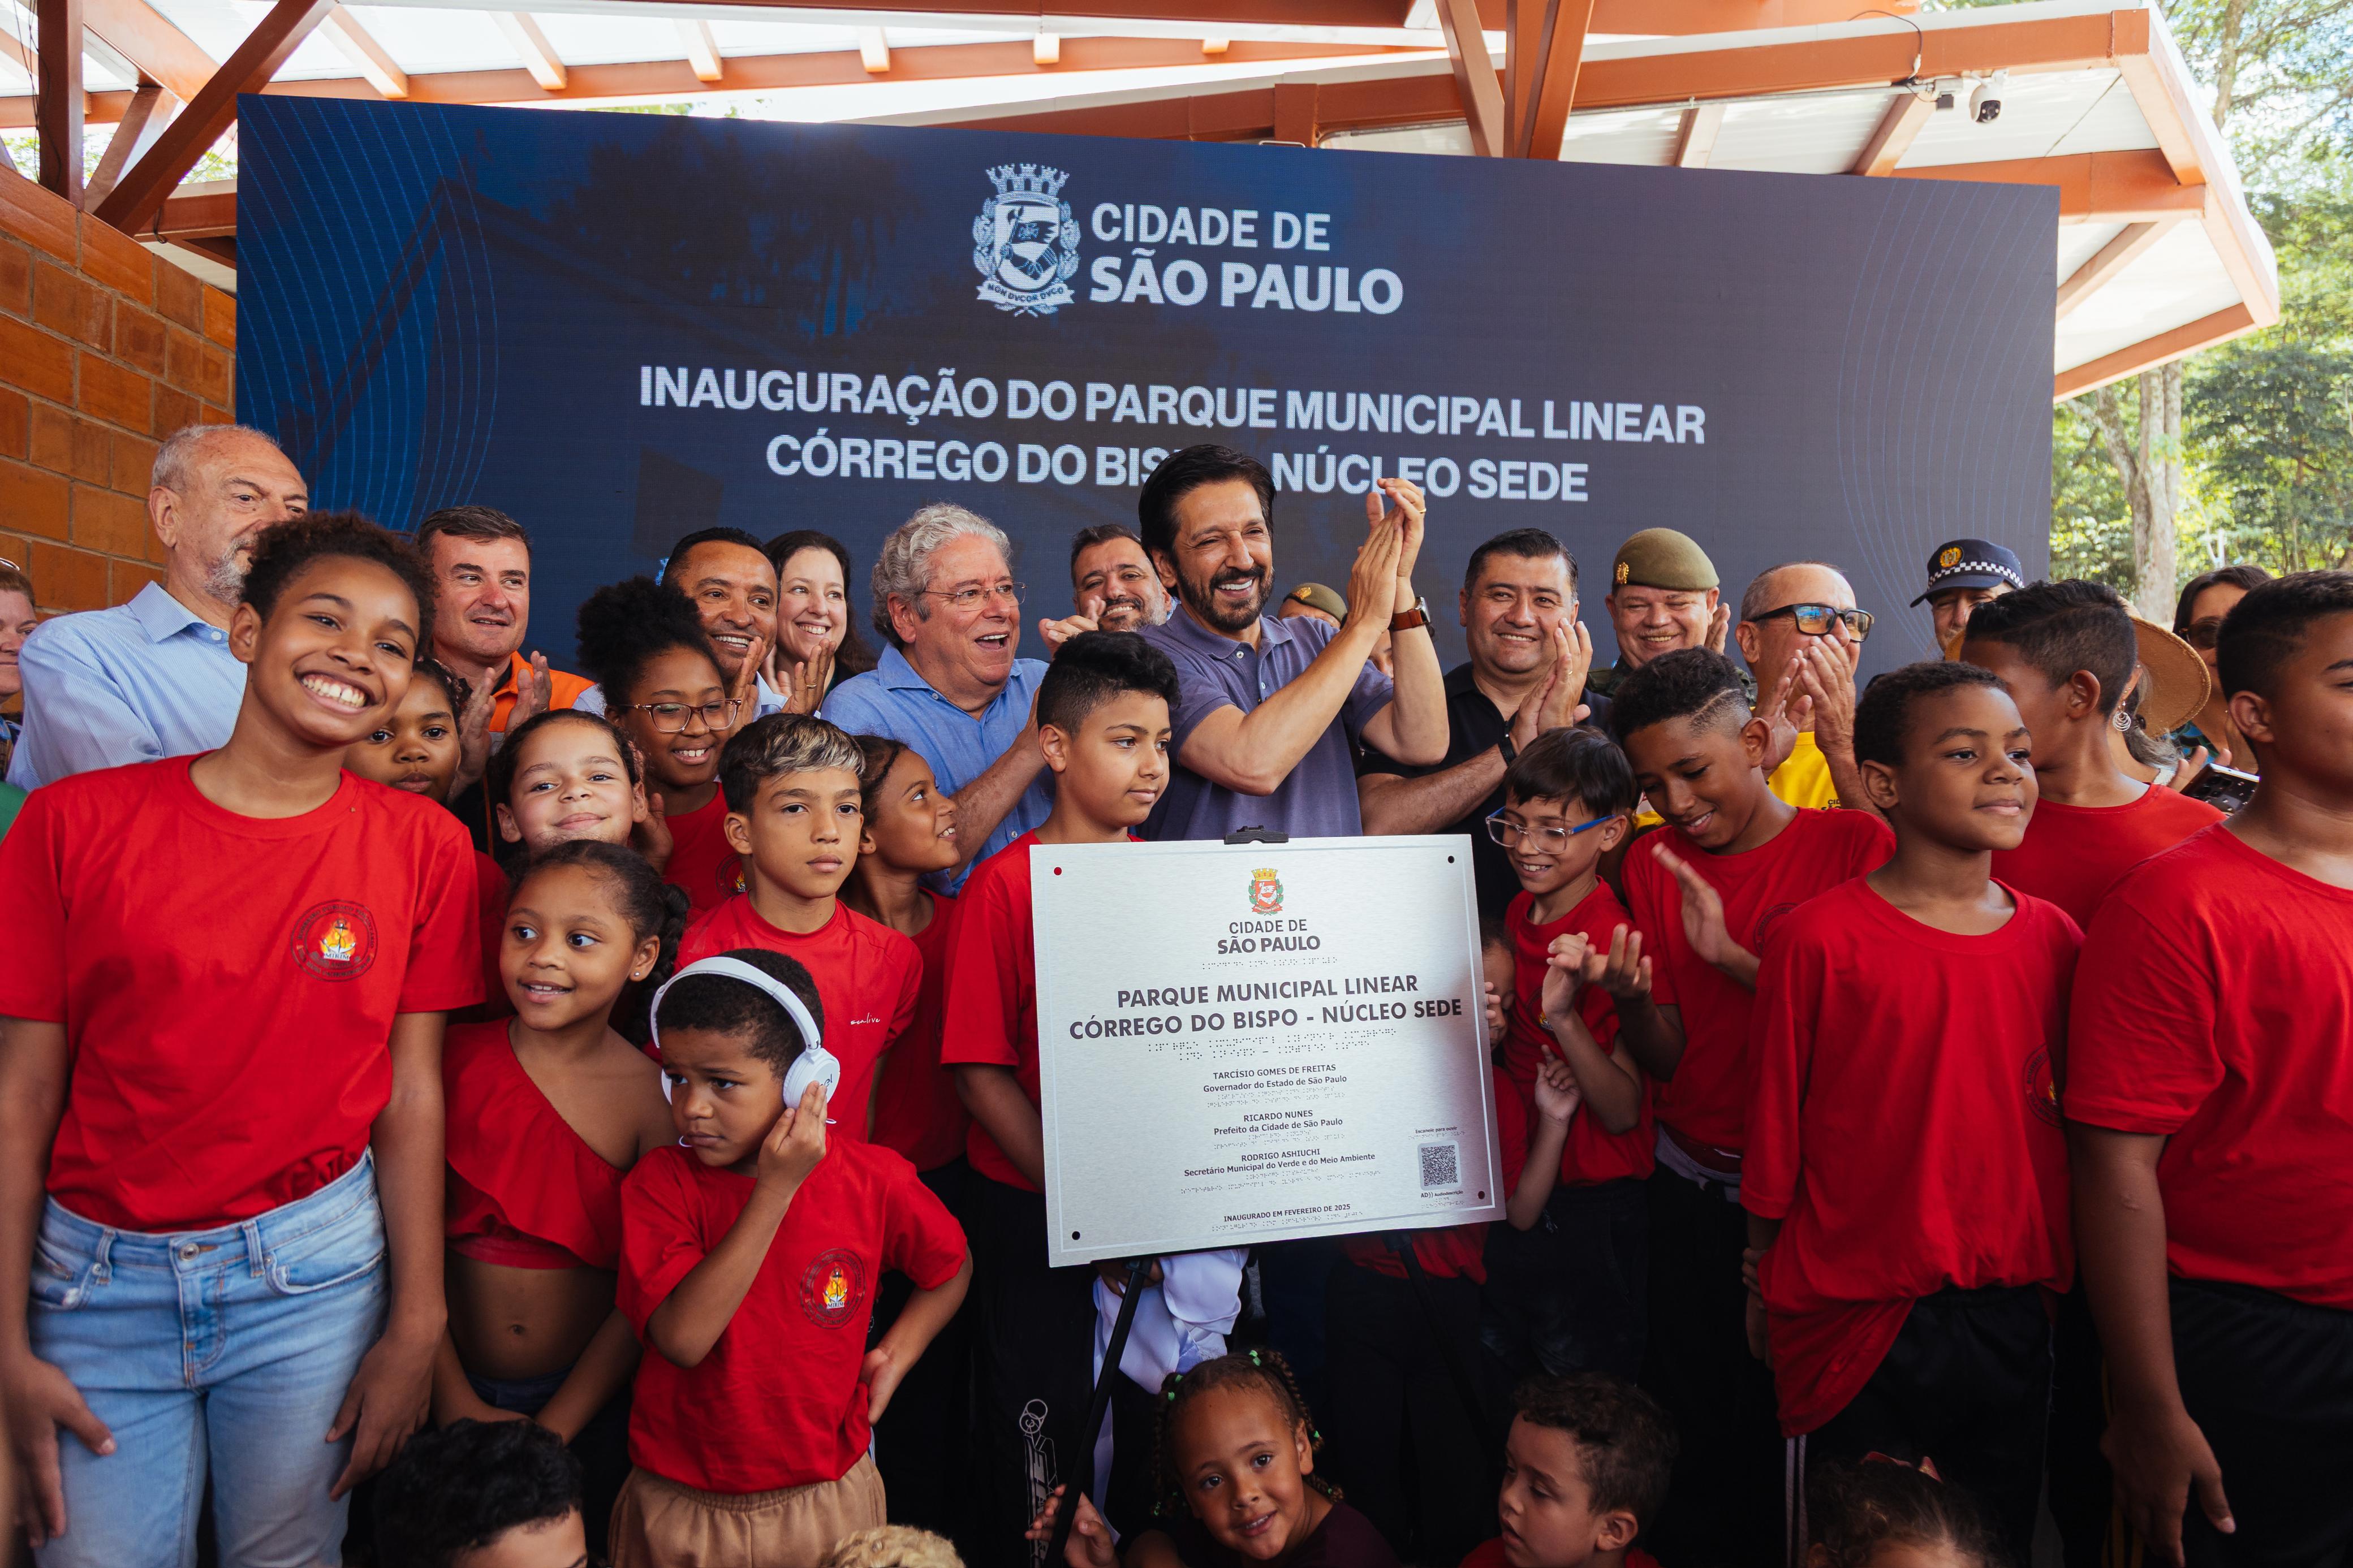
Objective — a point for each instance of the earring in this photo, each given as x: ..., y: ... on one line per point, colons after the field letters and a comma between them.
x: 2123, y: 721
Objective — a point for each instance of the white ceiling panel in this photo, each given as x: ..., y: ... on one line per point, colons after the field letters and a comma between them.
x: 218, y: 27
x: 1812, y: 135
x: 2038, y: 112
x: 2079, y: 242
x: 2176, y: 282
x: 1632, y: 136
x: 435, y: 40
x: 2115, y: 124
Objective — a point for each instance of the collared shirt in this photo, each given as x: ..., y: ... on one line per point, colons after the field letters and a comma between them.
x: 892, y: 699
x: 136, y: 683
x: 1318, y: 800
x: 1473, y: 725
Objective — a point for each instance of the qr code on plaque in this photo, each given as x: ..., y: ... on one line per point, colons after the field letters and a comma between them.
x: 1441, y: 1165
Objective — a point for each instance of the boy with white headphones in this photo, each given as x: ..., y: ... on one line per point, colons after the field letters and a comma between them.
x: 749, y: 1258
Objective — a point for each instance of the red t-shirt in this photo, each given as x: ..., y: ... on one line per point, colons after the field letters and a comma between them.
x: 2216, y: 1009
x: 525, y: 1189
x: 776, y: 1402
x: 917, y: 1109
x: 1905, y: 1126
x: 1455, y: 1251
x: 1592, y: 1153
x: 1707, y: 1099
x: 868, y: 977
x: 227, y: 984
x: 993, y: 990
x: 2074, y: 854
x: 490, y: 890
x: 1490, y: 1555
x: 702, y: 861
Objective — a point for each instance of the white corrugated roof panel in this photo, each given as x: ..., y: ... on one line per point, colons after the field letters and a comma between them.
x: 2038, y: 112
x: 1819, y: 134
x: 2178, y: 281
x: 2079, y: 242
x: 1629, y: 136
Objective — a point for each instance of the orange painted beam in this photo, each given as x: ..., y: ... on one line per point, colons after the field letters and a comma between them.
x: 2203, y: 333
x: 2093, y: 187
x: 1555, y: 89
x: 208, y: 215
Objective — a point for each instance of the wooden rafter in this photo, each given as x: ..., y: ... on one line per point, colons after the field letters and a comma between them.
x: 2093, y: 187
x: 1475, y: 76
x: 150, y: 110
x: 531, y: 44
x: 873, y: 51
x: 2130, y: 243
x: 159, y: 49
x: 1552, y: 89
x: 59, y: 115
x: 1907, y: 114
x: 1696, y: 137
x: 143, y: 185
x: 701, y: 50
x: 359, y: 45
x: 2204, y: 332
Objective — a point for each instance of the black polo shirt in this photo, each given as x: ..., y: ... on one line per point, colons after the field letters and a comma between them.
x: 1473, y: 725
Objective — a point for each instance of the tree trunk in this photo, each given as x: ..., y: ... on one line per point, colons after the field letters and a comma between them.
x: 2150, y: 466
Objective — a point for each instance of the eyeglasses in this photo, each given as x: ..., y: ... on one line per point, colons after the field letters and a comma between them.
x: 670, y: 718
x: 970, y: 598
x: 1505, y: 832
x: 2203, y: 633
x: 1814, y: 620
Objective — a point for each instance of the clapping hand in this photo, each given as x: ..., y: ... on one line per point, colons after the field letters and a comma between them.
x: 1557, y: 1094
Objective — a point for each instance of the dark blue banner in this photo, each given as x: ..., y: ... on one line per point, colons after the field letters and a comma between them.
x: 621, y: 328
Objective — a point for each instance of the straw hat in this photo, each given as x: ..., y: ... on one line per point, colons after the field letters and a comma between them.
x: 2178, y: 683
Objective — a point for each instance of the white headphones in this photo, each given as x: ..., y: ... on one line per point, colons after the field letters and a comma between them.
x: 814, y: 1065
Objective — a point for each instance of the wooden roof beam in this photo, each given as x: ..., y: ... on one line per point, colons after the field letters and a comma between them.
x: 142, y: 190
x: 2129, y: 244
x: 2204, y: 332
x: 59, y: 115
x: 139, y: 32
x: 1695, y: 138
x: 375, y: 62
x: 1907, y: 114
x: 701, y: 50
x: 2093, y: 187
x: 151, y: 109
x: 1475, y: 76
x: 531, y: 46
x: 1551, y: 77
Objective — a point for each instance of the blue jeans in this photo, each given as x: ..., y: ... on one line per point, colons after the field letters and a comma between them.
x: 229, y: 1349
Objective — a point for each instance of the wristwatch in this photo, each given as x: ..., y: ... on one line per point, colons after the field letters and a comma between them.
x: 1406, y: 620
x: 1511, y: 753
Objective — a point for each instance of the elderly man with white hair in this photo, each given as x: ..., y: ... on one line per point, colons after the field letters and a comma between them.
x: 949, y: 685
x: 154, y: 678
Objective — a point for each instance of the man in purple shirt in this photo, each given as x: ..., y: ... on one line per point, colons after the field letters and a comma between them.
x: 1270, y: 711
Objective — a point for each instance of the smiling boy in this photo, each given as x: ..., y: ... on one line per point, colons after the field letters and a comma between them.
x: 1905, y: 1178
x: 795, y: 814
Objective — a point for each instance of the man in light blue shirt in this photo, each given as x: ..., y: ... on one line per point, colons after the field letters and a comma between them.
x: 949, y: 686
x: 154, y: 678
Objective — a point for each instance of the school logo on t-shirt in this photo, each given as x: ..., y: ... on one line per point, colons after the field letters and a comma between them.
x: 2041, y: 1089
x: 335, y: 941
x: 834, y: 1288
x: 1766, y: 922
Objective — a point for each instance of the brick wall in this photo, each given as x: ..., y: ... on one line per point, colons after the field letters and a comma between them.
x: 105, y: 349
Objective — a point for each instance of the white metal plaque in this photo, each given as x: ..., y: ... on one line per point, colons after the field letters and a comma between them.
x: 1247, y: 1043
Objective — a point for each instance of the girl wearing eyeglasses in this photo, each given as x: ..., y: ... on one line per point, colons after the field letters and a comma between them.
x: 647, y: 647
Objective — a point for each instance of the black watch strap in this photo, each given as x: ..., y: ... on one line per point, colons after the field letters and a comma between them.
x: 1511, y: 753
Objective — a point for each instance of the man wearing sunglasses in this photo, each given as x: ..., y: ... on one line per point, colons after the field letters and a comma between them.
x: 1802, y: 634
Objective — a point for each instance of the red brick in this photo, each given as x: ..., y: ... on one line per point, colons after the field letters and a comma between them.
x: 117, y: 261
x: 15, y: 277
x: 215, y: 386
x: 134, y: 464
x: 108, y: 523
x: 220, y: 317
x: 180, y: 296
x: 212, y: 416
x: 125, y: 578
x: 33, y: 501
x: 117, y: 394
x: 15, y: 423
x: 139, y: 337
x: 67, y: 444
x: 176, y: 410
x: 184, y: 359
x: 40, y: 217
x: 37, y: 361
x: 66, y: 303
x: 67, y: 578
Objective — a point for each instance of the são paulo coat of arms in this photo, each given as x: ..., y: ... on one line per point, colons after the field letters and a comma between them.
x: 1266, y: 892
x: 1026, y: 242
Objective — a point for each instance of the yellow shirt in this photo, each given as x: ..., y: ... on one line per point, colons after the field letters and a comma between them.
x: 1805, y: 778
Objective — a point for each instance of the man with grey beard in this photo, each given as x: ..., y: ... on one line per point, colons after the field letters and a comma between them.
x: 154, y: 678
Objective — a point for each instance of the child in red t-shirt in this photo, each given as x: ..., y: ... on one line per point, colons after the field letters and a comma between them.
x: 548, y: 1112
x: 569, y: 774
x: 1238, y: 1485
x: 1585, y: 1473
x: 750, y: 1252
x: 2209, y: 1114
x: 795, y: 797
x: 1568, y: 1295
x: 1704, y: 890
x: 645, y: 644
x: 910, y: 831
x: 1102, y: 723
x: 1905, y: 1178
x: 2065, y: 652
x: 224, y: 978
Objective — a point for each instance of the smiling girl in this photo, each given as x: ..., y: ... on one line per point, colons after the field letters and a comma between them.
x: 663, y: 689
x: 224, y: 979
x: 1238, y: 1482
x: 547, y: 1113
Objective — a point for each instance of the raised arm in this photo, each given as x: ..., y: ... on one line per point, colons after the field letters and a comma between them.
x: 983, y: 804
x: 1412, y: 728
